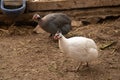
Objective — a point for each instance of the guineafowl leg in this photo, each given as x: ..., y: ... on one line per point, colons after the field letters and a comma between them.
x: 50, y: 35
x: 76, y: 69
x: 79, y: 66
x: 87, y: 65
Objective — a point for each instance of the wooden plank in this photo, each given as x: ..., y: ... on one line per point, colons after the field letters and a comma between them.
x: 38, y: 6
x: 70, y: 4
x: 74, y: 14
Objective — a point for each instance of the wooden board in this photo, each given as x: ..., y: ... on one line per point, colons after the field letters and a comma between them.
x: 70, y: 4
x: 76, y: 9
x: 79, y: 14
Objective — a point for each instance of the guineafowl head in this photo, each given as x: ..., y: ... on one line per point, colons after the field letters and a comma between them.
x: 36, y: 17
x: 58, y: 35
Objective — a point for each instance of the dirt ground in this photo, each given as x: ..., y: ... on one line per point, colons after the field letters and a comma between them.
x: 28, y: 56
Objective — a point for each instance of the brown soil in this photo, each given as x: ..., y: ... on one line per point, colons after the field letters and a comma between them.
x: 28, y: 56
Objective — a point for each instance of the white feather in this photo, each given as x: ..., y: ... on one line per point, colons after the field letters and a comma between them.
x: 80, y: 48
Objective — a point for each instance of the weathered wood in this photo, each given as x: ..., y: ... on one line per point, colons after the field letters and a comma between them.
x: 70, y: 4
x: 79, y: 14
x: 13, y: 2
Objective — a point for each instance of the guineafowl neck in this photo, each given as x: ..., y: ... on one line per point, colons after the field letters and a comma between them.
x: 41, y: 22
x: 63, y: 39
x: 63, y: 44
x: 44, y: 24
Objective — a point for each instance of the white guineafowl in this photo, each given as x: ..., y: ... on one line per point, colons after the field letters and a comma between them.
x: 80, y: 48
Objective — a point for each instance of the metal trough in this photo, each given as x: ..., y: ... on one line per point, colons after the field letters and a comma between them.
x: 13, y: 8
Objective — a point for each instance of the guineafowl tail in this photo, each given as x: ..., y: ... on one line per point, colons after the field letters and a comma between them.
x: 93, y: 54
x: 65, y: 29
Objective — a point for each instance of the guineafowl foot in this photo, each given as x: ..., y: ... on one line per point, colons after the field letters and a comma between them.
x: 75, y: 70
x: 79, y: 67
x: 86, y: 65
x: 71, y: 70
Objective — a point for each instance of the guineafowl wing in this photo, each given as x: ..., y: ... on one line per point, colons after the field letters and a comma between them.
x: 66, y: 28
x: 56, y: 21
